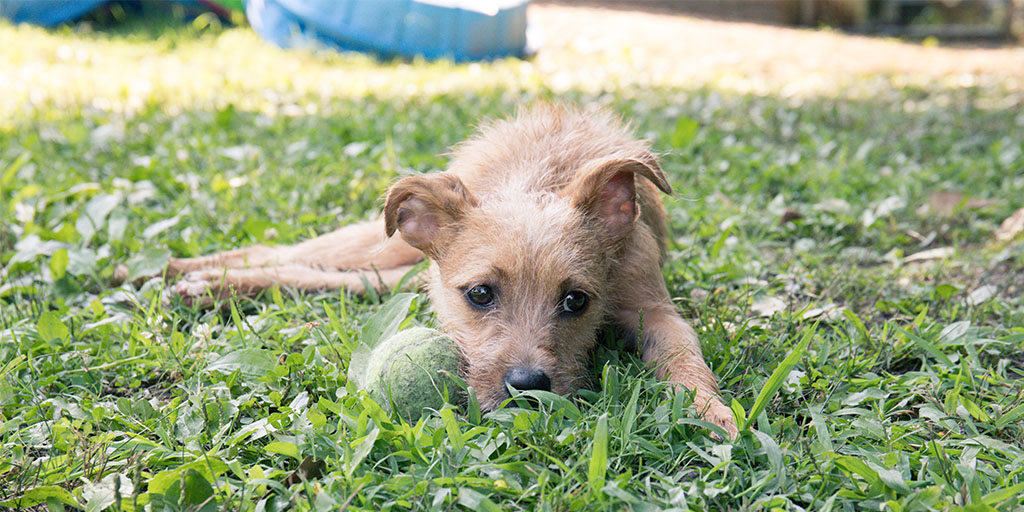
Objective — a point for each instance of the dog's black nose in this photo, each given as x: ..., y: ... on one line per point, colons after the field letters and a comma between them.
x: 524, y: 378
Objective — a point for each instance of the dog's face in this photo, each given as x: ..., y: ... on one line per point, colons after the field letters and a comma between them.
x: 519, y: 278
x: 522, y: 290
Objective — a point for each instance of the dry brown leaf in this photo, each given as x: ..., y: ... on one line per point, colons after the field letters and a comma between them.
x: 945, y: 202
x: 939, y: 253
x: 942, y: 202
x: 1010, y: 227
x: 309, y: 469
x: 978, y: 203
x: 788, y: 215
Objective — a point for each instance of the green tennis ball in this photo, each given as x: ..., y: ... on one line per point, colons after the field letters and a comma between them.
x: 411, y: 370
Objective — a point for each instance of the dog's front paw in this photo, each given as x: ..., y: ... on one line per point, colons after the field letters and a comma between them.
x: 190, y: 289
x: 716, y: 412
x: 194, y: 288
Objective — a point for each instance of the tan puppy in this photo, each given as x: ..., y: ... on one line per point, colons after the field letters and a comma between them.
x: 544, y: 228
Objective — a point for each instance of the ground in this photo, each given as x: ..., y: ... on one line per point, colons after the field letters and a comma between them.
x: 837, y: 243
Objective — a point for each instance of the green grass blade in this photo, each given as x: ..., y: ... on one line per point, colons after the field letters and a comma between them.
x: 451, y: 426
x: 778, y: 377
x: 387, y: 320
x: 237, y: 319
x: 1010, y: 416
x: 738, y: 412
x: 362, y: 449
x: 12, y: 169
x: 930, y: 348
x: 599, y: 455
x: 474, y: 500
x: 11, y: 365
x: 337, y: 327
x: 1006, y: 493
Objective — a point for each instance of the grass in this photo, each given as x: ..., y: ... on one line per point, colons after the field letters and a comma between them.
x: 869, y: 380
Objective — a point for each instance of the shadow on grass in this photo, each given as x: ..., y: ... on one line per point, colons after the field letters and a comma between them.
x: 165, y: 24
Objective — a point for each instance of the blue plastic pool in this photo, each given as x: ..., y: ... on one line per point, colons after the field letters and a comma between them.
x: 460, y: 30
x: 47, y: 13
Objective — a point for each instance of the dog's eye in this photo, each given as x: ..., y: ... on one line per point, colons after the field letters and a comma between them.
x: 480, y: 295
x: 574, y: 303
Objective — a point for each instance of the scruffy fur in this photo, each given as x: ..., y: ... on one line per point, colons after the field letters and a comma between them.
x: 551, y: 201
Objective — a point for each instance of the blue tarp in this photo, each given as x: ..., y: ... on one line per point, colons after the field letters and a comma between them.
x: 48, y: 13
x: 460, y: 30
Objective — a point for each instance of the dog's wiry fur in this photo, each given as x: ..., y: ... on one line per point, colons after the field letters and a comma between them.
x: 551, y: 201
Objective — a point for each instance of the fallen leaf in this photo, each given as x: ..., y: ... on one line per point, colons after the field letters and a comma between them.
x: 751, y: 281
x: 804, y: 244
x: 945, y: 202
x: 242, y: 152
x: 942, y: 203
x: 889, y: 205
x: 110, y: 132
x: 354, y: 149
x: 861, y: 255
x: 767, y: 305
x: 699, y: 295
x: 1010, y: 227
x: 788, y: 215
x: 981, y: 294
x: 828, y: 312
x: 834, y: 206
x: 939, y: 253
x: 309, y: 469
x: 295, y: 147
x: 977, y: 203
x: 160, y: 226
x: 102, y: 494
x: 884, y: 208
x: 923, y: 240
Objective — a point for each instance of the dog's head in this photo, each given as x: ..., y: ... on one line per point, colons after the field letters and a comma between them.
x: 520, y: 278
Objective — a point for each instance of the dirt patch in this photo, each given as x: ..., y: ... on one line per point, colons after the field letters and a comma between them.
x: 682, y: 49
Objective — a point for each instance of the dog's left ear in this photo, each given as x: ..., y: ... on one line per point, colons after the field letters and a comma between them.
x: 607, y: 190
x: 426, y: 210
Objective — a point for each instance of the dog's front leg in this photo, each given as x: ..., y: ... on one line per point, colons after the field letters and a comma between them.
x: 254, y: 256
x: 203, y: 286
x: 671, y: 346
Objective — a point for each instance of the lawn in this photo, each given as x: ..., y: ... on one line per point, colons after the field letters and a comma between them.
x: 836, y: 245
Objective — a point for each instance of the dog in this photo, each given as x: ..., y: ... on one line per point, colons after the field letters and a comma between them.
x: 545, y: 227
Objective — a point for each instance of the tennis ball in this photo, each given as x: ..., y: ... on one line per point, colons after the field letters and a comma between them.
x: 409, y: 369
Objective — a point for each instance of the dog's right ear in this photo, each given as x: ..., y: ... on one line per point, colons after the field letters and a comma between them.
x: 426, y: 209
x: 606, y: 190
